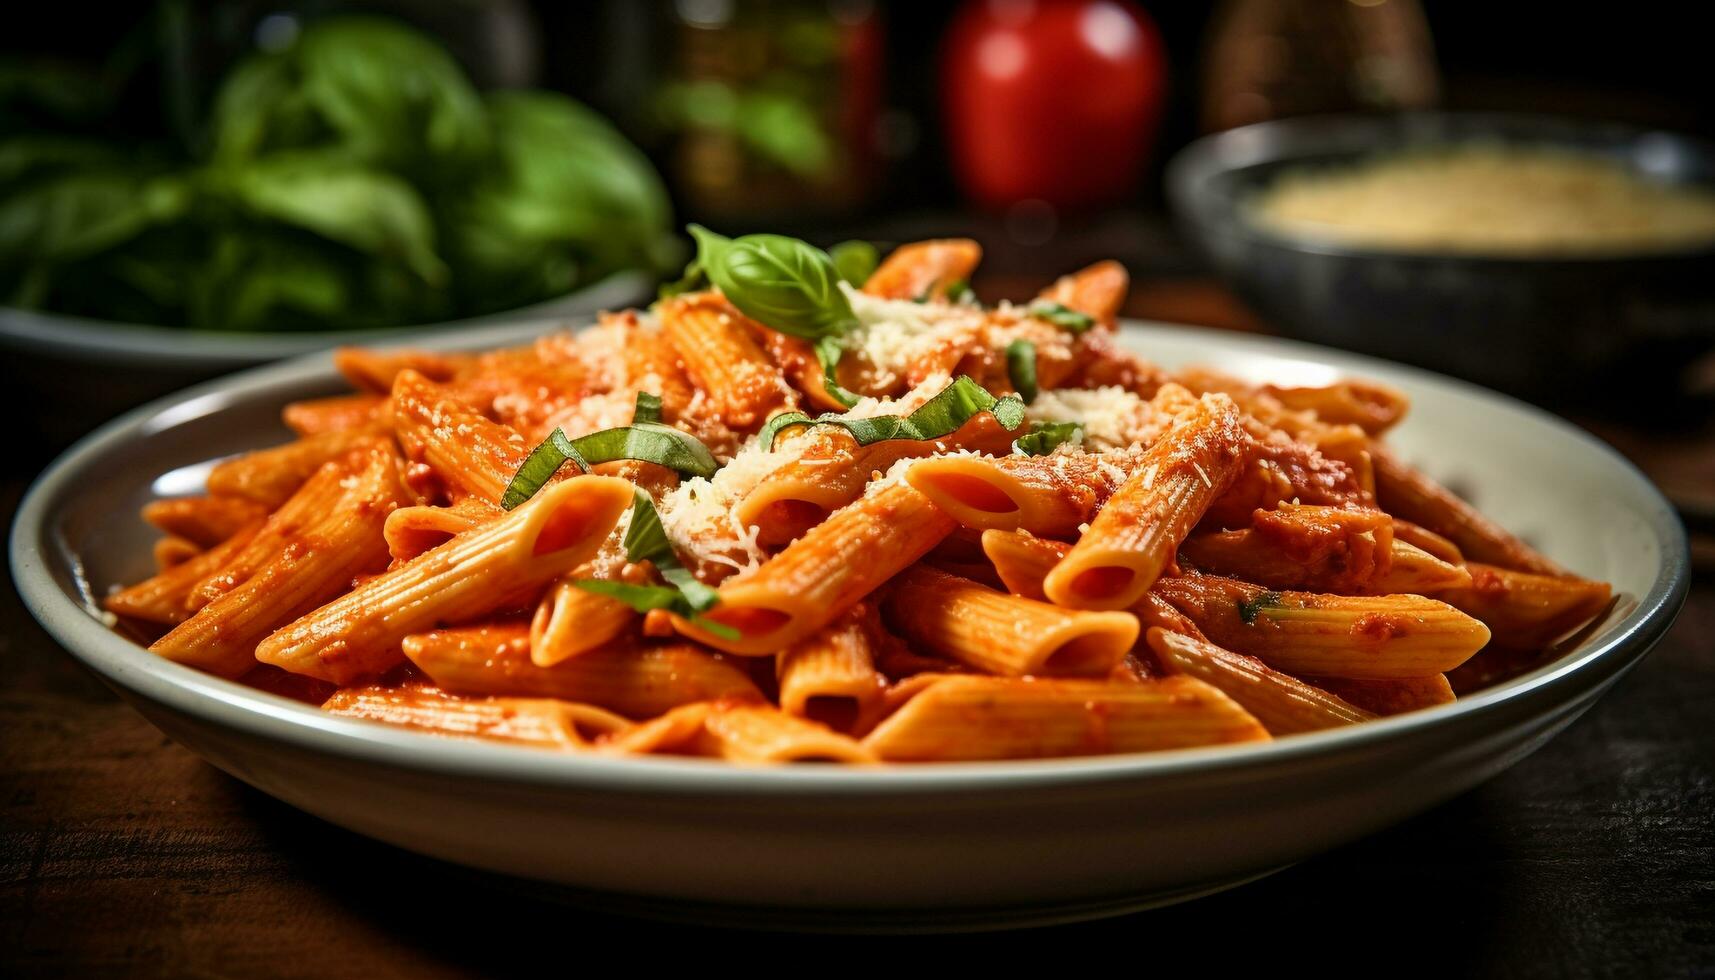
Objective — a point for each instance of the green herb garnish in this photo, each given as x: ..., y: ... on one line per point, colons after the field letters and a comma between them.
x: 646, y: 540
x: 942, y: 415
x: 646, y: 438
x: 1021, y: 368
x: 1061, y: 315
x: 1250, y: 608
x: 1044, y: 437
x: 782, y: 283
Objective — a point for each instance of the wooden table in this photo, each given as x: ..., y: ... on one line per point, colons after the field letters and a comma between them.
x: 122, y: 853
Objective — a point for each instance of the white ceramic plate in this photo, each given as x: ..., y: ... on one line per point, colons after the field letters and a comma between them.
x: 938, y: 846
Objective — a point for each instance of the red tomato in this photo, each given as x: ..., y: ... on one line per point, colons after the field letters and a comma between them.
x: 1051, y: 99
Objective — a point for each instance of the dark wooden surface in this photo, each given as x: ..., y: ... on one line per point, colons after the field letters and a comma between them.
x: 123, y: 854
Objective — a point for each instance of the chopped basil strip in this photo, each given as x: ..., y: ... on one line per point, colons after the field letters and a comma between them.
x: 1250, y: 608
x: 940, y: 416
x: 646, y: 540
x: 959, y: 291
x: 539, y: 467
x: 828, y: 354
x: 648, y: 408
x: 643, y: 598
x: 855, y: 261
x: 1061, y: 315
x: 1021, y: 368
x: 649, y: 441
x: 782, y: 283
x: 1045, y: 437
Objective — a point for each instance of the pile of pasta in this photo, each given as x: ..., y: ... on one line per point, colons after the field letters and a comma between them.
x: 1088, y: 555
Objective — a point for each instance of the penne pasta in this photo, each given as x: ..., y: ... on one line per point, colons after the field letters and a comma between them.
x: 1135, y: 535
x: 834, y: 470
x: 1302, y: 633
x: 471, y: 455
x: 824, y: 573
x: 1390, y: 697
x: 1048, y: 496
x: 972, y: 717
x: 637, y: 682
x: 542, y: 722
x: 491, y: 567
x: 570, y: 621
x: 720, y: 355
x: 1282, y: 703
x: 203, y: 521
x: 164, y: 599
x: 270, y: 476
x: 1526, y: 611
x: 316, y: 564
x: 924, y: 270
x: 831, y: 676
x: 1023, y: 560
x: 1098, y: 290
x: 1322, y: 549
x: 1408, y: 494
x: 1005, y: 634
x: 337, y: 414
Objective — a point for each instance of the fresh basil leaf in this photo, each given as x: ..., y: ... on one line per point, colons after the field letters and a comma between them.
x: 1045, y: 437
x: 855, y: 261
x: 648, y: 408
x: 651, y: 442
x: 782, y: 283
x: 959, y: 291
x: 371, y: 211
x: 1061, y: 315
x: 940, y: 416
x: 1021, y: 368
x: 828, y: 354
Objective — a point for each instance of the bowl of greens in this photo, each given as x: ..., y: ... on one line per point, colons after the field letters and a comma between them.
x: 350, y: 186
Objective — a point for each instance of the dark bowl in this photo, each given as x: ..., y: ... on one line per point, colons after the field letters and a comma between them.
x: 1541, y: 327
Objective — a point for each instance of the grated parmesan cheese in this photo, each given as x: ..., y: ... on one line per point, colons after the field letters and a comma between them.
x: 896, y: 334
x: 698, y: 514
x: 1112, y: 417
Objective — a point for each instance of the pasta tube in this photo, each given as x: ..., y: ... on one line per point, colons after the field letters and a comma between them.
x: 497, y: 565
x: 970, y: 717
x: 635, y: 681
x: 1005, y: 634
x: 1302, y: 633
x: 1137, y: 532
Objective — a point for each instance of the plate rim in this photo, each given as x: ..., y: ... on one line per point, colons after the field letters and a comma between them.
x: 230, y: 705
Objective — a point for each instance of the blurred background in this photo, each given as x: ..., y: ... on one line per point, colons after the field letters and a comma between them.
x: 265, y: 169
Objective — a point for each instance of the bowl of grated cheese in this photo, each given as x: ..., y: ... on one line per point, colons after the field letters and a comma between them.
x: 1528, y: 253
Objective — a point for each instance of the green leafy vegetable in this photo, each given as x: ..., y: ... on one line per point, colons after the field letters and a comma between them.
x: 1045, y: 437
x: 646, y: 540
x: 1021, y: 368
x: 1062, y: 316
x: 782, y: 283
x: 1250, y: 608
x: 646, y: 440
x: 855, y: 261
x: 353, y: 179
x: 942, y: 415
x: 829, y: 350
x: 959, y: 291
